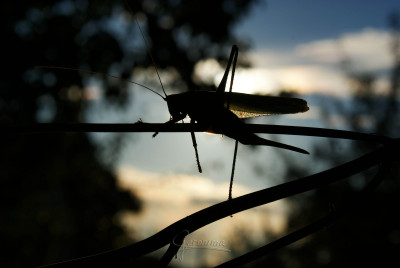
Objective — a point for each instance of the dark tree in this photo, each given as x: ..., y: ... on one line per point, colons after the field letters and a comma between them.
x: 58, y: 199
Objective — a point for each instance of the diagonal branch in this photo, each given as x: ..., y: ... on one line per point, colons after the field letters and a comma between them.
x: 216, y: 212
x: 313, y: 227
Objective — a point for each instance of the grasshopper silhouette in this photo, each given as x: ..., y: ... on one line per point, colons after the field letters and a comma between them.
x: 213, y: 108
x: 221, y: 111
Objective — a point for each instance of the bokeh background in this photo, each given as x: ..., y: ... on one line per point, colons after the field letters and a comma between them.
x: 68, y: 195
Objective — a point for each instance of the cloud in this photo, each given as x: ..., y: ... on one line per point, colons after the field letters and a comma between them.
x: 174, y: 188
x: 368, y: 50
x: 315, y: 66
x: 308, y: 67
x: 170, y: 197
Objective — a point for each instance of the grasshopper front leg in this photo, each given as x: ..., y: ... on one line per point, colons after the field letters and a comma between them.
x: 176, y: 118
x: 172, y: 120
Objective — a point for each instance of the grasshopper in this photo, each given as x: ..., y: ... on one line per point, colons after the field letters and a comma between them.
x: 220, y: 111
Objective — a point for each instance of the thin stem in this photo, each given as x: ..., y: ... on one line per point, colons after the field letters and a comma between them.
x: 187, y: 127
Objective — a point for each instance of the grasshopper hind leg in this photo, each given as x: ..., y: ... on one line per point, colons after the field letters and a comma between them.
x: 195, y: 148
x: 233, y: 170
x: 252, y: 139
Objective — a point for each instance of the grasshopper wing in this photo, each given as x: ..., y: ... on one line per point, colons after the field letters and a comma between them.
x: 247, y: 105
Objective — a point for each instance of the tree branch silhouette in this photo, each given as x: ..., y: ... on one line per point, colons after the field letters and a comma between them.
x: 216, y: 212
x: 187, y: 127
x: 311, y: 228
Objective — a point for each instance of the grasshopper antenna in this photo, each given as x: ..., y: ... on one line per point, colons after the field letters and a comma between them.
x: 98, y: 73
x: 147, y: 46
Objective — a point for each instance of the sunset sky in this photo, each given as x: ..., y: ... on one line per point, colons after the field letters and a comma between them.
x: 299, y: 44
x: 295, y: 45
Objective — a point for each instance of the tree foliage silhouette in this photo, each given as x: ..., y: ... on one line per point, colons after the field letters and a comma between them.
x: 59, y: 200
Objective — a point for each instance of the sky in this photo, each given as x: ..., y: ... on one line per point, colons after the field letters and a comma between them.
x: 278, y: 24
x: 295, y: 45
x: 300, y: 44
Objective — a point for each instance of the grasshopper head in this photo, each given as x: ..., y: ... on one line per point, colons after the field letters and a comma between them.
x: 175, y: 108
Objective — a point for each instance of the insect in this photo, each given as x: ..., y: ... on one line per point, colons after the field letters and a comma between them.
x: 220, y: 111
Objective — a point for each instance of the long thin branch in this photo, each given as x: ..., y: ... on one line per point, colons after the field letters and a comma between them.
x: 313, y: 227
x: 216, y: 212
x: 186, y: 127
